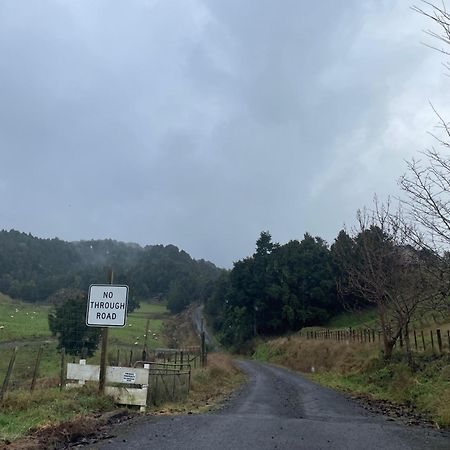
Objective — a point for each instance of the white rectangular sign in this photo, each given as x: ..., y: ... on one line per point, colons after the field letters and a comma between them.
x: 107, y: 305
x: 129, y: 377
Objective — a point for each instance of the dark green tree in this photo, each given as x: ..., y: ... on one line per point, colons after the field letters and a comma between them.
x: 279, y: 288
x: 68, y: 322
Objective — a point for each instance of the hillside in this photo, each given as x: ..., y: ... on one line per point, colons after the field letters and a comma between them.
x: 34, y: 269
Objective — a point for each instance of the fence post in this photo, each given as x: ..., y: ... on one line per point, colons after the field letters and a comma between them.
x: 423, y: 340
x: 62, y: 368
x: 439, y: 339
x: 36, y: 368
x: 145, y: 349
x: 432, y: 340
x: 415, y: 341
x: 203, y: 350
x: 189, y: 380
x: 147, y: 401
x: 131, y: 359
x: 448, y: 339
x: 8, y: 374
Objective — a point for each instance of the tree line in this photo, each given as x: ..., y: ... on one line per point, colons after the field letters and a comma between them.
x: 52, y: 270
x: 278, y: 289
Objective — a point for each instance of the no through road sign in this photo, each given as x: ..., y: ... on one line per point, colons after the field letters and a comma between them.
x: 107, y: 305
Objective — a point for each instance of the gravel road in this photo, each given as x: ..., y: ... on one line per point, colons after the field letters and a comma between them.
x: 277, y: 409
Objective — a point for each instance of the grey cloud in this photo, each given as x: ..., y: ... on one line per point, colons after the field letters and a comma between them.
x: 201, y: 123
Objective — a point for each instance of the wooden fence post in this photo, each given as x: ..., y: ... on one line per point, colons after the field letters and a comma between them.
x: 203, y: 350
x: 439, y: 339
x: 448, y: 339
x: 432, y: 340
x: 131, y: 359
x: 423, y: 340
x: 36, y: 368
x: 62, y: 371
x: 415, y: 341
x: 8, y: 374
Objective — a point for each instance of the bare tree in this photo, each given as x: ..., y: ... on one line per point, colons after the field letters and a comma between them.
x: 426, y: 186
x: 426, y: 183
x: 385, y: 269
x: 440, y: 17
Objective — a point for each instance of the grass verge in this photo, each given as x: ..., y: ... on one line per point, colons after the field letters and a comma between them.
x: 210, y: 387
x: 50, y: 418
x: 22, y: 413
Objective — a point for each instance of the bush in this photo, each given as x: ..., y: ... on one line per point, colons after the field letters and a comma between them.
x: 68, y: 322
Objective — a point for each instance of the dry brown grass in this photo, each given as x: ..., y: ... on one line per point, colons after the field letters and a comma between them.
x: 180, y: 331
x: 319, y: 356
x: 210, y: 386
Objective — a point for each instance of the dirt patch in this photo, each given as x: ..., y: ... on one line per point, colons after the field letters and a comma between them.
x: 406, y: 414
x: 80, y: 431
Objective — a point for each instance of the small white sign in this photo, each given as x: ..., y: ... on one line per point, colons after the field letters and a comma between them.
x: 129, y: 377
x: 107, y: 305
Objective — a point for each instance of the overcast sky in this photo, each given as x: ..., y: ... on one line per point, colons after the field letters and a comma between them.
x: 201, y: 123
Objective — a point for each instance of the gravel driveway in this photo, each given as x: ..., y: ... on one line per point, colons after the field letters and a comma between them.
x: 277, y: 409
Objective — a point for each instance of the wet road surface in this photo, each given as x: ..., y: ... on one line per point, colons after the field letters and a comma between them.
x: 277, y: 409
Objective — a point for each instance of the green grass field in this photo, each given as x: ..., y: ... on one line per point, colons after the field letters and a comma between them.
x: 28, y: 329
x: 22, y: 321
x: 26, y: 326
x: 135, y: 330
x: 364, y: 318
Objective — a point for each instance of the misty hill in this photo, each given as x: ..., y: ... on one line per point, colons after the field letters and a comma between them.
x: 34, y: 269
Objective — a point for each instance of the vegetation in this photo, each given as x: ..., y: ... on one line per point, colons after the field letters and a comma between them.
x: 278, y: 289
x: 379, y: 264
x: 124, y: 339
x: 36, y: 270
x: 22, y: 412
x: 359, y: 369
x: 365, y: 318
x: 67, y: 322
x: 135, y: 333
x: 22, y: 321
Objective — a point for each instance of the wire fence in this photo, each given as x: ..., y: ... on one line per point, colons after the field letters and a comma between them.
x: 39, y: 365
x: 435, y: 341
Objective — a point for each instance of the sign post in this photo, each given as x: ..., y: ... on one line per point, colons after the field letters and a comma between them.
x: 107, y: 307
